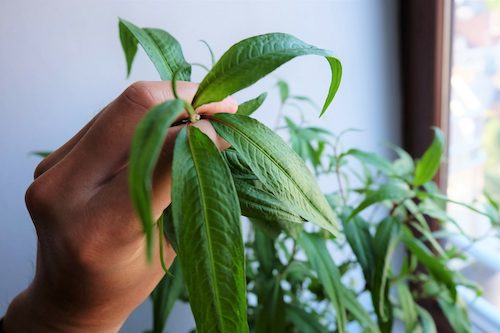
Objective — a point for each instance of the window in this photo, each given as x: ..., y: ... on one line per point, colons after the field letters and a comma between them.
x: 474, y: 138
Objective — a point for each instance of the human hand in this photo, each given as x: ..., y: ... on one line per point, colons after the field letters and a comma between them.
x: 91, y: 269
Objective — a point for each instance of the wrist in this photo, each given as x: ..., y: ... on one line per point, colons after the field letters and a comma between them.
x: 29, y: 313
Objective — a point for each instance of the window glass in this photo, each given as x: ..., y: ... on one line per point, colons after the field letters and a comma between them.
x: 474, y: 154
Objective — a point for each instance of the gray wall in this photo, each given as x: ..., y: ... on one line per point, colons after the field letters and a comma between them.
x: 60, y: 62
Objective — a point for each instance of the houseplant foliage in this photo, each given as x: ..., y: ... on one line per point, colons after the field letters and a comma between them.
x: 291, y: 280
x: 284, y: 278
x: 204, y: 217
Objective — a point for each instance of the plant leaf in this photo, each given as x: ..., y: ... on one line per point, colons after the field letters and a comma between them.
x: 284, y: 90
x: 165, y: 295
x: 257, y: 203
x: 390, y: 191
x: 428, y: 325
x: 375, y: 160
x: 456, y: 313
x: 249, y: 107
x: 41, y: 154
x: 277, y: 166
x: 328, y: 274
x: 358, y: 311
x: 206, y: 216
x: 251, y: 59
x: 164, y: 50
x: 358, y: 236
x: 169, y: 228
x: 435, y: 267
x: 271, y: 312
x: 146, y: 145
x: 385, y: 242
x: 303, y: 321
x: 429, y: 164
x: 408, y: 306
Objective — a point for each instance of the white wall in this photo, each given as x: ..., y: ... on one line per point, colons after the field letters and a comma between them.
x: 60, y: 62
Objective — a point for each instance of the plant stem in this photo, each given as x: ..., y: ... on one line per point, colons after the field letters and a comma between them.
x: 193, y: 115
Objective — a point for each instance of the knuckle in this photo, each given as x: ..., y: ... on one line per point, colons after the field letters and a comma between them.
x: 40, y: 168
x: 138, y: 95
x: 39, y: 198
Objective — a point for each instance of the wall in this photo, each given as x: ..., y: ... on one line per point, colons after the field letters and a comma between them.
x: 61, y: 62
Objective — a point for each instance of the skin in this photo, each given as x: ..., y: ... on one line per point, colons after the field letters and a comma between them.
x: 91, y: 270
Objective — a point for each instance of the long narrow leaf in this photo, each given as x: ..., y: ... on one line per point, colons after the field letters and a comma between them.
x: 435, y: 267
x: 328, y: 274
x: 408, y: 306
x: 144, y: 152
x: 205, y: 210
x: 278, y: 167
x: 162, y: 48
x: 165, y: 295
x: 260, y: 204
x: 358, y: 311
x: 390, y: 191
x: 385, y: 241
x: 428, y: 165
x: 358, y: 236
x: 251, y: 59
x: 250, y: 106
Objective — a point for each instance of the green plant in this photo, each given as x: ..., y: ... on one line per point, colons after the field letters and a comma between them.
x: 212, y: 189
x: 293, y: 283
x: 382, y: 204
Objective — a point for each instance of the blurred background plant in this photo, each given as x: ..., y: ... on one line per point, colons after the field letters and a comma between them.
x: 384, y: 266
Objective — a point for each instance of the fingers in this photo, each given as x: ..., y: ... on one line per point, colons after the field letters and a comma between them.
x: 61, y: 152
x: 116, y: 196
x: 104, y: 149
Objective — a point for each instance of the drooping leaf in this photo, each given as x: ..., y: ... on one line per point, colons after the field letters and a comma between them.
x: 205, y: 210
x: 428, y: 325
x: 146, y: 145
x: 328, y: 274
x: 129, y: 45
x: 165, y: 295
x: 260, y: 204
x: 163, y: 49
x: 428, y: 165
x: 435, y: 266
x: 251, y: 59
x: 358, y: 236
x: 372, y: 159
x: 277, y: 166
x: 408, y: 307
x: 249, y: 107
x: 389, y: 191
x: 386, y: 239
x: 284, y: 90
x: 169, y: 228
x: 303, y: 321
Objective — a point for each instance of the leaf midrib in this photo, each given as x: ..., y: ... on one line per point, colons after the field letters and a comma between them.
x: 212, y: 276
x: 165, y: 61
x: 228, y: 71
x: 292, y: 180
